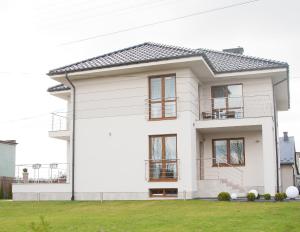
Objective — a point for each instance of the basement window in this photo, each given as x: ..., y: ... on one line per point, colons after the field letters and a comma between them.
x: 165, y: 192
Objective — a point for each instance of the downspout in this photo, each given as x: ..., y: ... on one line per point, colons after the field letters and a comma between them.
x: 73, y: 138
x: 276, y: 135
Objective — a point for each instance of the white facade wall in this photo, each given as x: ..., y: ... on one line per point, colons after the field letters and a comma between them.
x: 112, y: 138
x: 112, y: 130
x: 39, y: 192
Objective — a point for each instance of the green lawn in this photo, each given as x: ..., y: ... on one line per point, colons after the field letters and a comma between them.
x: 151, y: 216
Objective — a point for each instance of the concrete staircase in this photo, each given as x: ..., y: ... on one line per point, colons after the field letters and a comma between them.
x: 212, y: 187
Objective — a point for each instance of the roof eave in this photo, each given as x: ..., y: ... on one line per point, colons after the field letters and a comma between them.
x: 53, y: 73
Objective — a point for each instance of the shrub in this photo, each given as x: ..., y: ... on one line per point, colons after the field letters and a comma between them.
x: 279, y: 197
x: 224, y: 196
x: 251, y: 197
x: 284, y: 195
x: 267, y: 196
x: 258, y: 196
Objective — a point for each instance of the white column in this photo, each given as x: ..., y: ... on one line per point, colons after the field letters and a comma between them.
x: 269, y: 156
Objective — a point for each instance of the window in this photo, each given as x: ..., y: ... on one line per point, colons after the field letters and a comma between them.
x: 162, y: 97
x: 227, y: 101
x: 229, y: 151
x: 163, y: 158
x: 169, y: 192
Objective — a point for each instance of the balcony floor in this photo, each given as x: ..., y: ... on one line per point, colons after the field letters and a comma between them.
x: 61, y: 134
x: 245, y: 124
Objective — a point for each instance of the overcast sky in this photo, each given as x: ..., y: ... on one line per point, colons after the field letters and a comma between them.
x: 39, y: 35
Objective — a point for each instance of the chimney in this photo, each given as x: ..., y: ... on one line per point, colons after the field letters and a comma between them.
x: 285, y: 136
x: 238, y: 50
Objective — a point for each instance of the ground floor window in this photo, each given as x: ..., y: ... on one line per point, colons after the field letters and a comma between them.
x: 228, y: 151
x: 163, y: 158
x: 166, y: 192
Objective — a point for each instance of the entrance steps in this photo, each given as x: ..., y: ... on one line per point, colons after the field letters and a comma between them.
x: 212, y: 187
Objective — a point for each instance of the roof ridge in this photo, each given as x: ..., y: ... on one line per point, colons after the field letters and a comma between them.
x: 172, y: 46
x: 244, y: 56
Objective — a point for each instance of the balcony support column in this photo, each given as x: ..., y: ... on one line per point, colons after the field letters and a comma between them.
x: 269, y: 156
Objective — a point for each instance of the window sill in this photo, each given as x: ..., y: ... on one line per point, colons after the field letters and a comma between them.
x: 163, y: 180
x: 161, y: 119
x: 228, y: 165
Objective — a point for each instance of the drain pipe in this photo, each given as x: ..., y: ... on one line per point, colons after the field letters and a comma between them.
x: 276, y: 135
x: 73, y: 137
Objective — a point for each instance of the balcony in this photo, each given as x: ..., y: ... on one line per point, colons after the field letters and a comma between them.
x: 60, y: 126
x: 236, y: 107
x: 162, y: 170
x: 55, y: 173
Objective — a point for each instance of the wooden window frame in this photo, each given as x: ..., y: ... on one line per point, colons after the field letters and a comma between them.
x: 163, y: 160
x: 228, y: 152
x: 164, y: 193
x: 163, y: 101
x: 227, y: 108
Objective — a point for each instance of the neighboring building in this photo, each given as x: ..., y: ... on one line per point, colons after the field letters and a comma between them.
x: 288, y: 165
x: 7, y: 158
x: 298, y: 170
x: 298, y: 161
x: 162, y: 121
x: 7, y: 167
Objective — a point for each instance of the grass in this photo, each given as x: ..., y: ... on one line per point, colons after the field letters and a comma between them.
x: 151, y: 216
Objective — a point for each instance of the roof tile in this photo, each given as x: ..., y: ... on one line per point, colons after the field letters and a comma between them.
x: 220, y: 62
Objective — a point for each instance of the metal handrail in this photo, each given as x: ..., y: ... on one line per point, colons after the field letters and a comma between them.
x: 59, y: 121
x: 220, y: 164
x: 244, y: 96
x: 246, y: 106
x: 165, y: 171
x: 43, y: 173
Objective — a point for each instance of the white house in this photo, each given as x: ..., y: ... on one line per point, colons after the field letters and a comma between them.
x: 158, y: 121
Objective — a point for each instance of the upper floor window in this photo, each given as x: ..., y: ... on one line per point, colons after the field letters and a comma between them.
x: 162, y: 97
x: 227, y: 101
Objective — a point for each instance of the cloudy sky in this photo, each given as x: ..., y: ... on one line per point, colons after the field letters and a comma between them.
x: 37, y: 35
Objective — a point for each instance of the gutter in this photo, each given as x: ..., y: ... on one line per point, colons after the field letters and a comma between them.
x: 73, y: 137
x: 276, y: 135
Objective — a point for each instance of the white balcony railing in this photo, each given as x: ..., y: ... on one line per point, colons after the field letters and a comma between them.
x: 236, y: 107
x: 42, y: 173
x: 59, y: 121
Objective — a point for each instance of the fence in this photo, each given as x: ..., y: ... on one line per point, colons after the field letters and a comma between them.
x: 6, y: 187
x: 42, y: 173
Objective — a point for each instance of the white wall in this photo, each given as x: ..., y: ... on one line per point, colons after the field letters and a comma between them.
x: 37, y: 192
x: 112, y: 134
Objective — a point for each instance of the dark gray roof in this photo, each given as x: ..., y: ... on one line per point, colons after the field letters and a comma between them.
x: 287, y: 150
x: 224, y: 62
x: 56, y: 88
x: 10, y: 142
x: 219, y: 62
